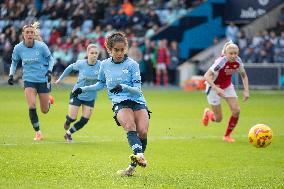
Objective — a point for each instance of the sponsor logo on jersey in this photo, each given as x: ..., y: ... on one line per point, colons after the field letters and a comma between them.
x: 114, y: 79
x: 30, y: 60
x: 230, y: 71
x: 217, y: 68
x: 125, y: 71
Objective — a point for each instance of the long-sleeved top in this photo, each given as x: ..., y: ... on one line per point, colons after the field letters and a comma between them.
x: 36, y: 61
x: 126, y: 73
x: 88, y: 75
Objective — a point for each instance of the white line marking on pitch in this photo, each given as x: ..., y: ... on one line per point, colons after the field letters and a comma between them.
x: 100, y: 139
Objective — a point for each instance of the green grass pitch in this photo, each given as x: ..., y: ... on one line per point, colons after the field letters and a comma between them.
x: 181, y: 153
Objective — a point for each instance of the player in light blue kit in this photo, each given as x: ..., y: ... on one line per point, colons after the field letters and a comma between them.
x: 88, y: 75
x: 37, y: 64
x: 121, y: 75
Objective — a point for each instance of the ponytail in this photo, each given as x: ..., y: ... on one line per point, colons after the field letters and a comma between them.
x: 116, y: 37
x: 227, y: 45
x: 35, y: 25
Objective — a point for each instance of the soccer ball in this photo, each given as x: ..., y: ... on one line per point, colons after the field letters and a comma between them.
x: 260, y: 136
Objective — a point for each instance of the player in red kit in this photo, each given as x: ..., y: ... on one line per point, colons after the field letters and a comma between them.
x: 219, y: 85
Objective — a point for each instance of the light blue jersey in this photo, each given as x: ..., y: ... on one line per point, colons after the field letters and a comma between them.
x: 127, y: 74
x: 88, y: 75
x: 36, y: 61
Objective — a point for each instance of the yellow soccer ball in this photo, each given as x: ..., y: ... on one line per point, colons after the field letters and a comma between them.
x: 260, y: 136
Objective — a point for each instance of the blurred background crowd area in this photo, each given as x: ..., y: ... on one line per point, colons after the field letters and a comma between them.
x: 69, y: 26
x: 265, y: 46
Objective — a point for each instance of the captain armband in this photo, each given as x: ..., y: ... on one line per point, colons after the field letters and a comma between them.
x: 101, y: 81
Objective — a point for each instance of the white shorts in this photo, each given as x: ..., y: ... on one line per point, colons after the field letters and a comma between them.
x: 161, y: 66
x: 214, y: 99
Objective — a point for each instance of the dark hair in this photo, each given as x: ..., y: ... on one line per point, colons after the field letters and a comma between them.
x: 116, y: 37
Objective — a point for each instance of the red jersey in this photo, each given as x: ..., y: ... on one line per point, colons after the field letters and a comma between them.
x: 163, y: 56
x: 223, y: 71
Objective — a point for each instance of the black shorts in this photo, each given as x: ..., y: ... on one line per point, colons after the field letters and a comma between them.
x: 78, y: 102
x: 128, y: 104
x: 40, y: 87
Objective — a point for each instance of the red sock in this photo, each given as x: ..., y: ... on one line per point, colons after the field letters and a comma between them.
x: 231, y: 125
x: 165, y: 77
x: 211, y: 115
x: 158, y: 79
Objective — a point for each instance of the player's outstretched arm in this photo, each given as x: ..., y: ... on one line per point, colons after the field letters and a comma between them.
x: 66, y: 72
x: 117, y: 89
x: 134, y: 90
x: 13, y: 67
x: 76, y: 92
x: 99, y: 85
x: 96, y: 87
x: 48, y: 75
x: 136, y: 80
x: 245, y: 84
x: 208, y: 76
x: 120, y: 87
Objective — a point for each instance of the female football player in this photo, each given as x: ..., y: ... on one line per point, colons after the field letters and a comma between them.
x: 219, y: 85
x: 37, y: 64
x: 122, y: 78
x: 88, y: 74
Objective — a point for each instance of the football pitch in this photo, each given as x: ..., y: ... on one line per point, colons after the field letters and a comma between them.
x: 181, y: 153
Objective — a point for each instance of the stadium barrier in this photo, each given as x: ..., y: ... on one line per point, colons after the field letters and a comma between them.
x: 261, y: 76
x: 196, y: 82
